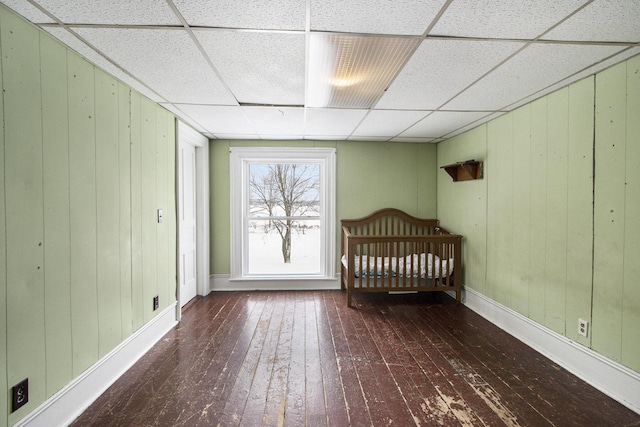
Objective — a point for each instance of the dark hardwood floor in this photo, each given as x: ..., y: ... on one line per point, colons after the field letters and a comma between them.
x: 304, y: 358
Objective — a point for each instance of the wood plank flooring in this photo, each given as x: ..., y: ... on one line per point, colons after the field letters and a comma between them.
x: 304, y: 358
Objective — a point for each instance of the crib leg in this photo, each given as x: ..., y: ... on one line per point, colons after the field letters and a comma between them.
x: 348, y: 297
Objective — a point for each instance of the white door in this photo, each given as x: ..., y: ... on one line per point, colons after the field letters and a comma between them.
x: 187, y: 221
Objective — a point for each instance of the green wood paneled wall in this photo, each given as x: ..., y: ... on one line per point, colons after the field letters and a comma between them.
x: 369, y: 176
x: 86, y: 163
x: 4, y: 409
x: 559, y: 240
x: 616, y: 293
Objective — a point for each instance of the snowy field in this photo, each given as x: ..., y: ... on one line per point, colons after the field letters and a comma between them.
x: 265, y: 252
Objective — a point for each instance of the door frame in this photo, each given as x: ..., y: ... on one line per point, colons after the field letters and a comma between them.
x: 187, y: 134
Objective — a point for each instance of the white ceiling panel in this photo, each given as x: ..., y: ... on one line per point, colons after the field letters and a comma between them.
x: 172, y: 65
x: 602, y: 20
x: 440, y: 69
x: 503, y: 18
x: 273, y: 14
x: 276, y: 121
x: 29, y: 11
x: 117, y: 12
x: 574, y: 78
x: 403, y: 17
x: 332, y: 122
x: 87, y: 52
x: 259, y: 68
x: 473, y: 124
x: 388, y: 123
x: 536, y: 67
x: 440, y: 123
x: 219, y: 119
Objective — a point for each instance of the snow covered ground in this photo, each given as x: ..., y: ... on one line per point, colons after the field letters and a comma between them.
x: 265, y: 252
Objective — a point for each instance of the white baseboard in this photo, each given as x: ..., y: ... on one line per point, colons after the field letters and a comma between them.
x: 608, y: 376
x: 222, y: 282
x: 67, y: 404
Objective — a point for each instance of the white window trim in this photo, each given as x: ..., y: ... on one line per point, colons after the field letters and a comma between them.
x: 240, y: 158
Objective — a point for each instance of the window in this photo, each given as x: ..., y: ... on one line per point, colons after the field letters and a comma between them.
x: 282, y: 213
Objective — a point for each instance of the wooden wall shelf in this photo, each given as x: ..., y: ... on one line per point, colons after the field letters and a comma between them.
x: 464, y: 171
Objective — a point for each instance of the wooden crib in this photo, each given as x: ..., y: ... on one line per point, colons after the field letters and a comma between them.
x: 392, y: 251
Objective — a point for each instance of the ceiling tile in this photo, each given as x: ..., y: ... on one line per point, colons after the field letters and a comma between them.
x: 626, y: 54
x: 536, y: 67
x: 502, y: 18
x: 388, y: 123
x: 167, y: 60
x: 259, y: 68
x: 332, y: 122
x: 92, y: 56
x: 28, y: 11
x: 117, y: 12
x: 602, y: 20
x: 440, y: 69
x: 219, y: 119
x: 276, y: 121
x: 474, y: 124
x: 440, y: 123
x: 274, y: 14
x: 403, y: 17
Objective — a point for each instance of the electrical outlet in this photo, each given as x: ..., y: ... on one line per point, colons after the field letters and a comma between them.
x: 19, y: 395
x: 583, y: 327
x: 156, y: 303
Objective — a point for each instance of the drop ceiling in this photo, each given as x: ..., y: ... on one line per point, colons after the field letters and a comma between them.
x: 376, y: 70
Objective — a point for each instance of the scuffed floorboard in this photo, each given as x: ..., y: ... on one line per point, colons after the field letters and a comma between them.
x: 305, y: 359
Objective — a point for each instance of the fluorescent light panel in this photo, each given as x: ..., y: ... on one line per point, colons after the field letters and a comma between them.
x: 351, y: 71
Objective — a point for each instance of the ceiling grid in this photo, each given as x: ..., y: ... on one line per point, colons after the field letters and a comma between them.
x: 402, y: 71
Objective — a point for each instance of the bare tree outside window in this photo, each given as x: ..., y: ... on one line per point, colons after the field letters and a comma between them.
x: 285, y: 195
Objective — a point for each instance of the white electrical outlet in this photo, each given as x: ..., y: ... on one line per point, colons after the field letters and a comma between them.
x: 583, y: 327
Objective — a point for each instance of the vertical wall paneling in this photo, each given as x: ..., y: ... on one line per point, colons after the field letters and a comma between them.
x: 149, y: 206
x: 520, y: 233
x: 219, y: 234
x: 462, y: 206
x: 171, y: 219
x: 538, y: 197
x: 500, y: 207
x: 24, y: 208
x: 426, y: 159
x: 55, y: 127
x: 108, y: 211
x: 556, y: 221
x: 609, y: 200
x: 124, y: 179
x: 575, y: 210
x: 4, y: 386
x: 162, y: 200
x: 136, y: 212
x: 84, y: 160
x: 631, y: 293
x: 579, y: 207
x: 82, y: 174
